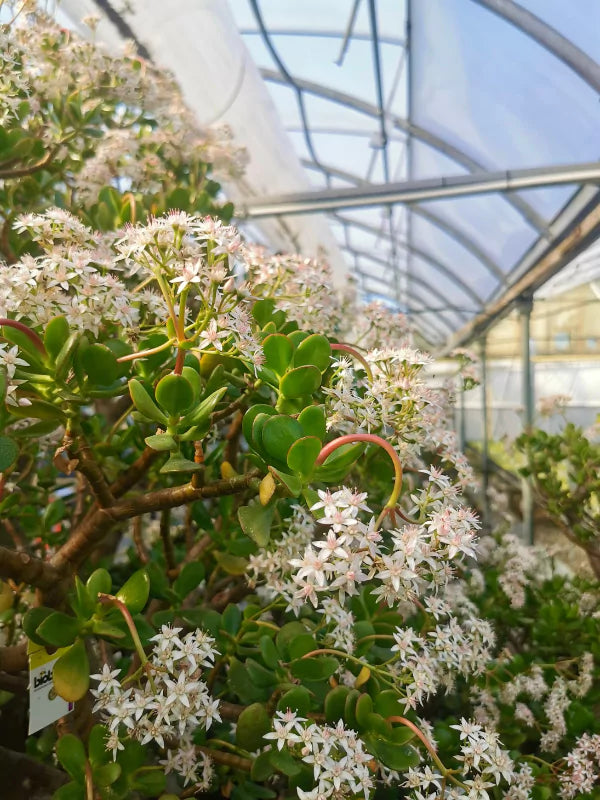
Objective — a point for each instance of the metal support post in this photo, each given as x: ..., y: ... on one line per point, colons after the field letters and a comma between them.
x: 485, y: 434
x: 525, y: 306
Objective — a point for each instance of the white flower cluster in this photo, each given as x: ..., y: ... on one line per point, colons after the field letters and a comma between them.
x: 42, y: 64
x: 398, y: 400
x: 582, y: 767
x: 434, y: 660
x: 168, y: 703
x: 337, y: 756
x: 402, y: 564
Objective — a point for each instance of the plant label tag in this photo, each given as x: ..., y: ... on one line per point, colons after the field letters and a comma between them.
x: 45, y: 706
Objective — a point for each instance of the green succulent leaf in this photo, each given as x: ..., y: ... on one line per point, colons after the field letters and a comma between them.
x: 71, y: 673
x: 314, y: 669
x: 9, y: 451
x: 174, y: 394
x: 144, y: 403
x: 302, y: 455
x: 99, y: 582
x: 252, y: 724
x: 314, y: 350
x: 59, y: 629
x: 161, y: 442
x: 135, y: 591
x: 56, y: 334
x: 300, y: 382
x: 278, y: 350
x: 100, y: 364
x: 279, y: 434
x: 256, y: 520
x: 71, y: 755
x: 313, y: 422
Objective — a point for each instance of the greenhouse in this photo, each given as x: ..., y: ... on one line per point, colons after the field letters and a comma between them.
x: 299, y: 399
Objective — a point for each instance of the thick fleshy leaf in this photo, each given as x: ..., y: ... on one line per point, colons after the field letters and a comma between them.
x: 201, y: 413
x: 251, y: 415
x: 193, y: 377
x: 336, y: 466
x: 278, y: 350
x: 99, y: 581
x: 296, y: 699
x: 148, y: 781
x: 32, y: 620
x: 107, y: 774
x: 291, y: 482
x: 279, y: 434
x: 398, y: 757
x: 71, y: 755
x: 313, y: 421
x: 335, y: 702
x: 190, y: 577
x: 144, y: 403
x: 252, y: 724
x: 177, y: 463
x: 100, y: 364
x: 314, y: 350
x: 161, y: 442
x: 9, y: 450
x: 302, y: 455
x: 300, y: 382
x: 56, y: 334
x: 135, y: 591
x: 256, y: 522
x: 59, y: 629
x: 314, y: 669
x: 174, y: 394
x: 71, y: 673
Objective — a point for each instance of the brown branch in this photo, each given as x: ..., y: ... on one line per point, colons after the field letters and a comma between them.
x: 23, y: 568
x: 132, y: 475
x: 229, y: 759
x: 89, y: 467
x: 13, y: 658
x: 16, y: 684
x: 224, y: 413
x: 22, y: 172
x: 96, y: 525
x: 28, y: 773
x: 138, y: 541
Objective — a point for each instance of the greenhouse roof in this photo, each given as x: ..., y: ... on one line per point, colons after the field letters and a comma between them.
x: 452, y: 145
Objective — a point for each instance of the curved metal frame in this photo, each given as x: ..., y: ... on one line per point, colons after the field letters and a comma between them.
x: 434, y: 262
x: 531, y: 216
x: 454, y: 233
x: 548, y: 37
x: 413, y: 278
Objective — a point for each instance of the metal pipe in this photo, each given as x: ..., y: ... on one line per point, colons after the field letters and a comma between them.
x: 525, y: 306
x: 485, y: 434
x: 419, y: 191
x: 544, y: 34
x: 527, y: 211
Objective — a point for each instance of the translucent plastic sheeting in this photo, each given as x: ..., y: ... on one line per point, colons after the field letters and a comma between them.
x: 201, y: 46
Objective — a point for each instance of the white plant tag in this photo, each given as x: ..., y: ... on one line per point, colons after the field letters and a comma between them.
x: 45, y: 706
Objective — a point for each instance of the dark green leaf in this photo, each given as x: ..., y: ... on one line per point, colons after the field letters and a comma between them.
x: 71, y: 754
x: 314, y: 350
x: 252, y: 724
x: 300, y: 382
x: 144, y: 403
x: 100, y: 364
x: 189, y: 578
x: 278, y: 351
x: 314, y: 669
x: 71, y: 673
x: 9, y: 451
x: 302, y: 455
x: 58, y: 629
x: 313, y: 422
x: 255, y: 520
x: 174, y: 394
x: 279, y: 434
x: 135, y: 591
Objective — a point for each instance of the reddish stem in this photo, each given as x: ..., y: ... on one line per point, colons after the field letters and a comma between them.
x: 31, y: 335
x: 371, y: 438
x: 347, y: 349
